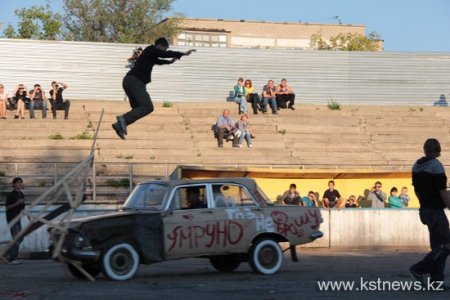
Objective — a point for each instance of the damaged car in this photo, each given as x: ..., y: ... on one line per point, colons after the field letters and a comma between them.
x: 227, y: 220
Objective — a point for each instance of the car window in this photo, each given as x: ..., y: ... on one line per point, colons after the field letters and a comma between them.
x: 189, y: 197
x: 226, y: 195
x: 147, y: 196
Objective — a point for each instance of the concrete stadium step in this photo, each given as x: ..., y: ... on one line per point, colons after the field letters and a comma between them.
x: 294, y: 128
x: 146, y: 144
x: 257, y: 143
x: 400, y: 129
x: 331, y: 138
x: 10, y: 144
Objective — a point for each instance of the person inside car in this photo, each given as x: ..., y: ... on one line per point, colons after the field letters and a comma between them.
x: 193, y: 198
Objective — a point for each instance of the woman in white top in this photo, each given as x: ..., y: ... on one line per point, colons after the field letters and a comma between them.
x: 3, y: 99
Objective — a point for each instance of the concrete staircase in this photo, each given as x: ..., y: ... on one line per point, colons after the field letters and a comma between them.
x: 389, y: 137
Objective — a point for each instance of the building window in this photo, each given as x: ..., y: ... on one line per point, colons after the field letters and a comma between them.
x: 203, y: 39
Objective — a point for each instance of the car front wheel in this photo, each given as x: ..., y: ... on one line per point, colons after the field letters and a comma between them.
x: 225, y: 263
x: 266, y: 257
x: 120, y: 262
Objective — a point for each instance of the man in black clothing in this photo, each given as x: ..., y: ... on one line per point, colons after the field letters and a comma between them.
x: 134, y: 83
x: 57, y: 101
x: 15, y: 203
x: 430, y: 185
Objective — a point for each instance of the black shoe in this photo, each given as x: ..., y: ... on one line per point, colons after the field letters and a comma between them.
x: 122, y: 124
x: 118, y: 130
x: 220, y: 146
x: 16, y: 117
x: 65, y: 118
x: 292, y: 107
x: 275, y: 113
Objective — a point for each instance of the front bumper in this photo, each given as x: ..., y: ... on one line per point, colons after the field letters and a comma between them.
x: 89, y: 256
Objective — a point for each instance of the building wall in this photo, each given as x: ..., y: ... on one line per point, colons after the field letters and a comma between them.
x: 95, y: 71
x: 272, y: 29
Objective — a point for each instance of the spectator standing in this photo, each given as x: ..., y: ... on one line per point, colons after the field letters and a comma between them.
x: 251, y: 96
x: 269, y: 95
x: 239, y: 96
x: 331, y: 197
x: 377, y: 196
x: 15, y: 203
x: 21, y: 99
x: 310, y: 200
x: 3, y: 100
x: 244, y: 129
x: 134, y: 83
x: 57, y: 101
x: 225, y: 126
x: 285, y: 94
x: 405, y: 197
x: 394, y: 200
x: 351, y: 202
x: 430, y: 185
x: 38, y: 100
x: 291, y: 196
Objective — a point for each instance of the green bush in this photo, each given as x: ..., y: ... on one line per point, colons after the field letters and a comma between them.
x: 167, y: 104
x: 333, y: 105
x: 124, y: 182
x: 56, y: 136
x: 83, y: 136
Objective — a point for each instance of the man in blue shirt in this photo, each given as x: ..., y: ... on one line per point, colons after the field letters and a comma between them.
x: 224, y: 126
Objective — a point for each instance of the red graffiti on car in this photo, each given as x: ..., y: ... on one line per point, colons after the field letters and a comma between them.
x: 294, y: 226
x: 222, y: 233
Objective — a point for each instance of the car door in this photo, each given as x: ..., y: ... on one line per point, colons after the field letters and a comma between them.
x: 240, y: 214
x: 189, y: 228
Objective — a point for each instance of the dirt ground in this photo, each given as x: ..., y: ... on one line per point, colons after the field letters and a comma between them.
x: 371, y: 272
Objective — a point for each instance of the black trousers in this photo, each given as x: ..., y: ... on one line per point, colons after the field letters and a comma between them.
x: 60, y: 106
x: 255, y: 101
x: 282, y: 99
x: 434, y: 262
x: 224, y: 133
x: 140, y: 100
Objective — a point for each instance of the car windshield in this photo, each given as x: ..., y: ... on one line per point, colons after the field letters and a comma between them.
x: 147, y: 196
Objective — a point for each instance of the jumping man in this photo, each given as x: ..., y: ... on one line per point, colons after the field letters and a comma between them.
x: 134, y: 83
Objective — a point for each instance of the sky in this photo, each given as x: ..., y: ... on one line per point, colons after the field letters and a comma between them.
x: 404, y: 25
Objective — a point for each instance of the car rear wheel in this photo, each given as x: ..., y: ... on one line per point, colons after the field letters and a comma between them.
x: 266, y: 257
x: 226, y: 263
x: 120, y: 262
x: 92, y: 270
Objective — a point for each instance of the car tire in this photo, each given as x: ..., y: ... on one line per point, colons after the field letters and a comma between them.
x: 92, y: 270
x: 225, y: 263
x: 266, y: 256
x: 120, y: 261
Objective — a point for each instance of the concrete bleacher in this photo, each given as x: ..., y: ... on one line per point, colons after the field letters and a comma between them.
x: 312, y: 136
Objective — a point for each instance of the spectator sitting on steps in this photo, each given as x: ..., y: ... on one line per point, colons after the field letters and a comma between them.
x: 21, y: 98
x: 244, y: 131
x: 57, y: 101
x: 251, y: 96
x: 285, y: 94
x: 269, y: 95
x: 3, y: 100
x: 239, y: 96
x: 224, y: 129
x: 38, y: 100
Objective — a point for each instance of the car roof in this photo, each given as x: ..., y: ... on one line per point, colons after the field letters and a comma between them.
x: 249, y: 182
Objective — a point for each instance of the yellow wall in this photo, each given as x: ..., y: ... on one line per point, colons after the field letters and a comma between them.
x: 346, y: 187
